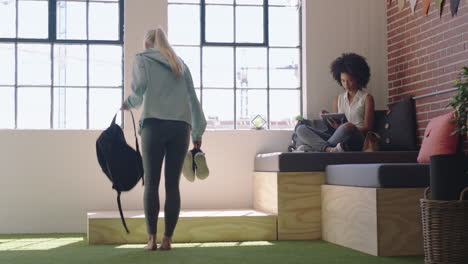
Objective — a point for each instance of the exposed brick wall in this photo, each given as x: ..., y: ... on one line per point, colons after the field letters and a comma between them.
x: 425, y: 55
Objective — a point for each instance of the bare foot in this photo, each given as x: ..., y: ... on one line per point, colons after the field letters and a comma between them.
x: 151, y: 243
x: 166, y: 243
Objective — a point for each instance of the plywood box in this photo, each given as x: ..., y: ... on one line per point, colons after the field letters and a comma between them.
x: 377, y: 221
x: 295, y: 198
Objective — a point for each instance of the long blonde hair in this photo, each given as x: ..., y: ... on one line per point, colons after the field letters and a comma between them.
x: 157, y: 38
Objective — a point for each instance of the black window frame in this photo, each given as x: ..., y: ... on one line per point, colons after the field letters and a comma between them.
x: 266, y: 34
x: 52, y: 40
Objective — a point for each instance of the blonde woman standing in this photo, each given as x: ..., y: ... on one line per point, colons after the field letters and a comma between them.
x: 163, y: 84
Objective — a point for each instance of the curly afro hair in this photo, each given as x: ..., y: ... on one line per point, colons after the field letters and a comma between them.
x: 354, y: 65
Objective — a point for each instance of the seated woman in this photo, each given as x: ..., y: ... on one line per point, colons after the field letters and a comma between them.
x: 352, y: 72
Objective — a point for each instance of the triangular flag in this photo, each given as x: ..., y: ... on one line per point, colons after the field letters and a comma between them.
x: 413, y: 5
x: 454, y: 6
x: 426, y: 5
x: 440, y: 5
x: 401, y: 4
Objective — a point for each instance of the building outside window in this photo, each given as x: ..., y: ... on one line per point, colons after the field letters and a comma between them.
x: 244, y: 56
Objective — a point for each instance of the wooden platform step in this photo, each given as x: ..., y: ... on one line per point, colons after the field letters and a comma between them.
x: 105, y: 227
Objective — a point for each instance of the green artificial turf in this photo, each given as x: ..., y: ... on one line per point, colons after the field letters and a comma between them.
x: 73, y: 248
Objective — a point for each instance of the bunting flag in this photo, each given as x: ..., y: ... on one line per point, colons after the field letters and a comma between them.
x: 426, y: 5
x: 413, y: 5
x: 454, y: 6
x: 440, y: 5
x: 401, y: 4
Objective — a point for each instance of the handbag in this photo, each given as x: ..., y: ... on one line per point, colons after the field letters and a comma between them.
x: 371, y: 143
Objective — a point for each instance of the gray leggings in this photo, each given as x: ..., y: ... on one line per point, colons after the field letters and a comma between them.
x: 169, y: 139
x: 352, y: 139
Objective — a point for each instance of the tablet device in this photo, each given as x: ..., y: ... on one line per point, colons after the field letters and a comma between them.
x: 337, y: 117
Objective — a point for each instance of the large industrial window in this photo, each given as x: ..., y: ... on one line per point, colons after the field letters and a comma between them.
x: 61, y: 63
x: 245, y: 58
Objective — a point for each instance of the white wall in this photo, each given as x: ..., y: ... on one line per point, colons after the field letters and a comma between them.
x: 333, y: 27
x: 50, y: 179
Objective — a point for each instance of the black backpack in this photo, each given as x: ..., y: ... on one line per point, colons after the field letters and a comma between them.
x: 120, y: 162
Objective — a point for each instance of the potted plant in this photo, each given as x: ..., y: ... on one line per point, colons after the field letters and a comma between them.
x: 459, y: 104
x: 449, y: 173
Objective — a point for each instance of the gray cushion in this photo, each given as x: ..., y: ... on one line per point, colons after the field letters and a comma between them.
x: 398, y: 175
x: 317, y: 161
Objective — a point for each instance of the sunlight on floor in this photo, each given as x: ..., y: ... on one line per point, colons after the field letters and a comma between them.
x: 213, y: 244
x: 36, y: 243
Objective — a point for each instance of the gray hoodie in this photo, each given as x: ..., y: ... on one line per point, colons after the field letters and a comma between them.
x: 162, y: 95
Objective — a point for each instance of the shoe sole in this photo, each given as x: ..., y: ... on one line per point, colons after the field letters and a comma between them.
x: 202, y: 170
x: 187, y: 169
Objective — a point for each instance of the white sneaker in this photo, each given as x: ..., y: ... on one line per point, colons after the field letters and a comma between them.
x: 338, y: 148
x: 187, y: 169
x: 201, y: 168
x: 304, y: 148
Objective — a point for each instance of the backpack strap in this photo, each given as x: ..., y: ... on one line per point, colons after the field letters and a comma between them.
x: 136, y: 143
x: 121, y: 213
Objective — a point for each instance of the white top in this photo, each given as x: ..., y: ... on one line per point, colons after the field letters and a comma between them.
x: 355, y: 111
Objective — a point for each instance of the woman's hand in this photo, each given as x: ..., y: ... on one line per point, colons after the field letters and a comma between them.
x: 124, y: 107
x: 335, y: 123
x: 197, y: 144
x: 322, y: 112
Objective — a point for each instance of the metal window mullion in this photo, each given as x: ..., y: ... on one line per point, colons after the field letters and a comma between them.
x: 51, y: 85
x: 203, y: 22
x: 202, y: 41
x: 266, y: 38
x: 87, y: 65
x: 121, y: 21
x: 268, y: 88
x: 16, y: 85
x: 235, y: 64
x: 16, y: 64
x: 301, y: 96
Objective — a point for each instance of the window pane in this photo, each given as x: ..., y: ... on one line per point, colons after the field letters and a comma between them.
x: 33, y: 108
x: 293, y: 3
x: 103, y: 21
x: 7, y: 107
x: 249, y: 2
x: 184, y: 1
x: 284, y: 107
x: 229, y: 2
x: 249, y: 104
x: 251, y: 68
x: 34, y: 64
x: 70, y: 108
x: 33, y: 19
x: 69, y: 65
x: 184, y: 24
x: 218, y: 66
x: 218, y: 106
x: 105, y: 65
x: 219, y: 24
x: 71, y: 20
x: 249, y: 24
x: 284, y: 26
x: 284, y: 68
x: 8, y: 19
x: 103, y: 105
x: 191, y: 57
x: 7, y: 64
